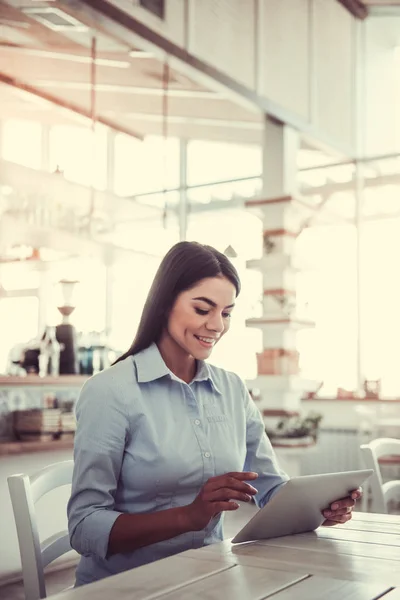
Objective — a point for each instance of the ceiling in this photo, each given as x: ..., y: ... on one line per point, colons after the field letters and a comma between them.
x: 57, y: 66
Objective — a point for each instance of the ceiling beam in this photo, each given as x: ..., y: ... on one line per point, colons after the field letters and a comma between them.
x: 356, y: 8
x: 120, y: 25
x: 63, y: 105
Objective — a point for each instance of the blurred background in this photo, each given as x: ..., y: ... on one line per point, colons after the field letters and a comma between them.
x: 269, y: 129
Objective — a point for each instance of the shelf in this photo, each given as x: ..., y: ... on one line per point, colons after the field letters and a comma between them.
x: 35, y: 380
x: 366, y: 399
x: 15, y: 447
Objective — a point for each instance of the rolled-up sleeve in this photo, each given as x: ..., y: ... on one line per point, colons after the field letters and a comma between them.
x: 102, y: 430
x: 260, y: 456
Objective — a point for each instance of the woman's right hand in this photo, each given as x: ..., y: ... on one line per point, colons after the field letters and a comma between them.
x: 217, y: 495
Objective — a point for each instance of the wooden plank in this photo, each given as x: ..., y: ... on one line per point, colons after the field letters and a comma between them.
x: 315, y: 588
x: 146, y: 582
x: 309, y: 541
x: 373, y: 518
x: 354, y: 535
x: 372, y: 526
x: 338, y: 566
x: 238, y: 583
x: 223, y: 555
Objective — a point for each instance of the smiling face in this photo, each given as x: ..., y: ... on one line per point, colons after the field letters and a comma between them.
x: 201, y: 316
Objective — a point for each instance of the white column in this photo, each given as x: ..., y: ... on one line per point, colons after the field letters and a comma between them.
x: 359, y: 124
x: 280, y: 150
x: 278, y: 378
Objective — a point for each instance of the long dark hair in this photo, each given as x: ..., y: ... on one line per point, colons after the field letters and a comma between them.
x: 182, y: 267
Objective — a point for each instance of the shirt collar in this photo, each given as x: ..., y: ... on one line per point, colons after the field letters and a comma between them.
x: 204, y: 374
x: 151, y: 366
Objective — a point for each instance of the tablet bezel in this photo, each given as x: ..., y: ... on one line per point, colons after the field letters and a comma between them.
x: 297, y: 506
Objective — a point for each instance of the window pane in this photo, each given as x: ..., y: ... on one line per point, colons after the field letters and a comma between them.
x: 18, y: 324
x: 145, y: 166
x: 217, y: 161
x: 21, y: 142
x: 131, y: 282
x: 81, y: 158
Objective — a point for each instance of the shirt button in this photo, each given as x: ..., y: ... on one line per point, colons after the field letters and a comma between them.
x: 197, y: 422
x: 207, y: 454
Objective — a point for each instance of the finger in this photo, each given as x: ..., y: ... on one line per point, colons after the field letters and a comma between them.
x: 340, y: 518
x: 222, y: 506
x: 356, y: 494
x: 239, y: 475
x: 231, y: 483
x: 243, y: 475
x: 341, y: 511
x: 226, y: 494
x: 344, y: 503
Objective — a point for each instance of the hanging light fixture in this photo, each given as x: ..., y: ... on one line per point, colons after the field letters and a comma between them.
x: 165, y: 80
x: 230, y: 252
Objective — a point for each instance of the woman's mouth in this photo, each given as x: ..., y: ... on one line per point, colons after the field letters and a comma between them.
x: 206, y: 342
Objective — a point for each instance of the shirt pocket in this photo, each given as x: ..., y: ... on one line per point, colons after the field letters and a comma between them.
x: 216, y: 418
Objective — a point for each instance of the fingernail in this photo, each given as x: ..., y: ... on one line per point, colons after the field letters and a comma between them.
x: 327, y: 513
x: 334, y: 506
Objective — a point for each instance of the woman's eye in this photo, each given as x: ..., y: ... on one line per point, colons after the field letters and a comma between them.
x: 226, y: 315
x: 200, y: 311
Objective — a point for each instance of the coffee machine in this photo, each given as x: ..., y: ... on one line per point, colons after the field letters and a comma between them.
x: 65, y: 331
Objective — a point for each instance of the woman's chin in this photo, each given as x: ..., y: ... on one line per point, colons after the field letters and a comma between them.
x: 202, y: 353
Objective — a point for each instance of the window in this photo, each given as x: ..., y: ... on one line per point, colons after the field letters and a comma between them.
x: 145, y: 166
x: 18, y: 324
x: 218, y: 161
x: 21, y: 142
x: 81, y: 157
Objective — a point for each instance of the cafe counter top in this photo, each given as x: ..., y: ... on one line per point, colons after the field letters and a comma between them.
x: 12, y: 448
x: 35, y: 380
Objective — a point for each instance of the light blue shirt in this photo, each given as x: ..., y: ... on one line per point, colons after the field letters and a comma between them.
x: 147, y: 441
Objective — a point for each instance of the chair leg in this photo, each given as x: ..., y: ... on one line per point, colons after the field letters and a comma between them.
x: 365, y: 497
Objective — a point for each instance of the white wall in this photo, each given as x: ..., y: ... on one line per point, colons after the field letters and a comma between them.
x: 333, y: 73
x: 284, y: 47
x: 299, y: 54
x: 222, y: 33
x: 51, y: 509
x: 382, y: 77
x: 172, y: 28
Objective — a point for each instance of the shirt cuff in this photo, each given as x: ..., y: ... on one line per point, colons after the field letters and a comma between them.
x: 96, y: 529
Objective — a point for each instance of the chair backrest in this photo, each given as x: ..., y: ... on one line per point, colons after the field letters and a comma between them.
x: 382, y: 493
x: 25, y: 491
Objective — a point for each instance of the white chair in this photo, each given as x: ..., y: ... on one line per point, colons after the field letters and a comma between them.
x: 382, y: 493
x: 25, y: 491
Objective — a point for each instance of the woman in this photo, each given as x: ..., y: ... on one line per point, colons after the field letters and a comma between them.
x: 166, y: 443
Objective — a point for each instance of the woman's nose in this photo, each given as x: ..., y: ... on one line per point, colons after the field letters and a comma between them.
x: 216, y: 323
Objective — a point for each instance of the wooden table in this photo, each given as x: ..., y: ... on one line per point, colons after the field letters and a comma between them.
x: 356, y: 561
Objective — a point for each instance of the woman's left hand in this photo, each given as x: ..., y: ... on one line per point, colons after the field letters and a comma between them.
x: 340, y: 511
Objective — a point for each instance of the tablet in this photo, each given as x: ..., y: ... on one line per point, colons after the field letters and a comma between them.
x: 297, y: 506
